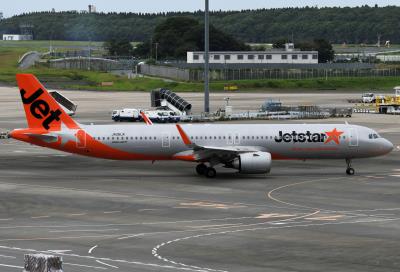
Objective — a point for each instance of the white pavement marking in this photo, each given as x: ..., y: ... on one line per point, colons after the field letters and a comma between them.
x: 8, y: 257
x: 92, y: 248
x: 91, y: 230
x: 88, y: 266
x: 282, y: 222
x: 61, y: 238
x: 155, y: 249
x: 12, y: 266
x: 129, y: 224
x: 6, y: 219
x: 40, y: 217
x: 110, y: 212
x: 128, y: 236
x: 106, y: 259
x: 59, y: 251
x: 106, y: 264
x: 76, y: 214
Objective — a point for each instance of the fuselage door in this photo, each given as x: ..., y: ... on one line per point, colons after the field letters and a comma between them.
x: 166, y: 140
x: 236, y: 140
x: 353, y: 134
x: 229, y: 139
x: 81, y: 139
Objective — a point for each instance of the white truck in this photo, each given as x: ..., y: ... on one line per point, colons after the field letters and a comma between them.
x: 371, y: 97
x: 130, y: 115
x: 156, y: 116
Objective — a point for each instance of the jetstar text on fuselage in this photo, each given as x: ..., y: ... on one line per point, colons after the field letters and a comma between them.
x: 301, y: 137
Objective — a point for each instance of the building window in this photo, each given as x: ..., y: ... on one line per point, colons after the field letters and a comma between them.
x: 217, y: 57
x: 240, y: 57
x: 269, y: 56
x: 294, y: 57
x: 304, y: 56
x: 196, y: 57
x: 315, y: 56
x: 227, y: 57
x: 260, y: 57
x: 250, y: 57
x: 284, y: 57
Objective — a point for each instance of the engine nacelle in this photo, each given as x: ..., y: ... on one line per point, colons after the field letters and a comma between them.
x: 253, y: 163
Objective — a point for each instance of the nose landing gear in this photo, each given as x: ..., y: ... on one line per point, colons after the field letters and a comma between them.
x: 349, y: 171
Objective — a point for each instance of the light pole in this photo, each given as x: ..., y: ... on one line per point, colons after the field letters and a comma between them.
x: 206, y: 58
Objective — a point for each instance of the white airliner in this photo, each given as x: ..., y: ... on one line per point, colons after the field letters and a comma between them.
x: 248, y: 148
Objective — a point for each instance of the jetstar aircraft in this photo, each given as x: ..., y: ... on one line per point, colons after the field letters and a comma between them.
x: 247, y: 148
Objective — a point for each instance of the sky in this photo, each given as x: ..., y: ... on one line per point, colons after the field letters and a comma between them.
x: 15, y: 7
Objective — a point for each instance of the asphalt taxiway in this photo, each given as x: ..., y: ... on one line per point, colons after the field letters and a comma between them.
x: 138, y: 216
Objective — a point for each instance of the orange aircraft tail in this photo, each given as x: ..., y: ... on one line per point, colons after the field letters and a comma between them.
x: 41, y: 109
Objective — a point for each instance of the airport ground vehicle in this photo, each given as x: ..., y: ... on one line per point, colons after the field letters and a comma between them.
x: 131, y: 115
x: 156, y: 116
x: 249, y: 148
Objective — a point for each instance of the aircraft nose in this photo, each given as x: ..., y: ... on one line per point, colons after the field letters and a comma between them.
x: 387, y: 146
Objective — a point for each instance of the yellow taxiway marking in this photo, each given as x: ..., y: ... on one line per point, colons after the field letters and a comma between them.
x: 211, y: 205
x: 325, y: 218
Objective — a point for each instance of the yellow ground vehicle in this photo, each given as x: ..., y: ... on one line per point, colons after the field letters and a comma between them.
x: 231, y: 87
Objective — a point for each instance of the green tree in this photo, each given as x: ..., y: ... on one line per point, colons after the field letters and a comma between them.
x: 324, y: 48
x: 118, y: 47
x: 175, y: 36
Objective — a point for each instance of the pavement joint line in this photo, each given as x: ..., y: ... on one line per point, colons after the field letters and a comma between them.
x: 7, y: 257
x: 106, y: 264
x: 132, y: 224
x: 104, y: 259
x: 347, y: 213
x: 155, y: 249
x: 12, y: 266
x: 126, y: 236
x: 282, y: 221
x: 87, y: 266
x: 92, y: 230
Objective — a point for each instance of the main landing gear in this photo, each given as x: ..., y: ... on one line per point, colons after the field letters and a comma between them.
x: 349, y: 171
x: 203, y: 170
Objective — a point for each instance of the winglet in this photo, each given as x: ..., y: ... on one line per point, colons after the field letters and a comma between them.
x: 146, y: 118
x: 184, y: 136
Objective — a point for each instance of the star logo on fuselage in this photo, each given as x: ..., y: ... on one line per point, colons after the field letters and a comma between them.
x: 333, y: 135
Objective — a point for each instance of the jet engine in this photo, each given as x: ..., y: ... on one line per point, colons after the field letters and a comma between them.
x: 253, y: 163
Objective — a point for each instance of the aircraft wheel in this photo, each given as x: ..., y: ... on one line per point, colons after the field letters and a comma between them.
x: 350, y: 171
x: 211, y: 173
x: 201, y: 169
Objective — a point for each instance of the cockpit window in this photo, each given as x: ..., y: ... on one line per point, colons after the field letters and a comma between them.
x: 373, y: 136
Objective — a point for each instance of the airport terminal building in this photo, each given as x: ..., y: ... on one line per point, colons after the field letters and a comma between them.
x: 289, y: 55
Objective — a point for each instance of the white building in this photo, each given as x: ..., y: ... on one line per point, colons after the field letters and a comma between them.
x: 289, y: 56
x: 17, y: 37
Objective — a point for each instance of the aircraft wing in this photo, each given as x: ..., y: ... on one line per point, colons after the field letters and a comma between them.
x: 209, y: 153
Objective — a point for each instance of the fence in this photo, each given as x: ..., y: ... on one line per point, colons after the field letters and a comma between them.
x: 259, y: 74
x: 94, y: 64
x: 187, y: 74
x: 166, y: 72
